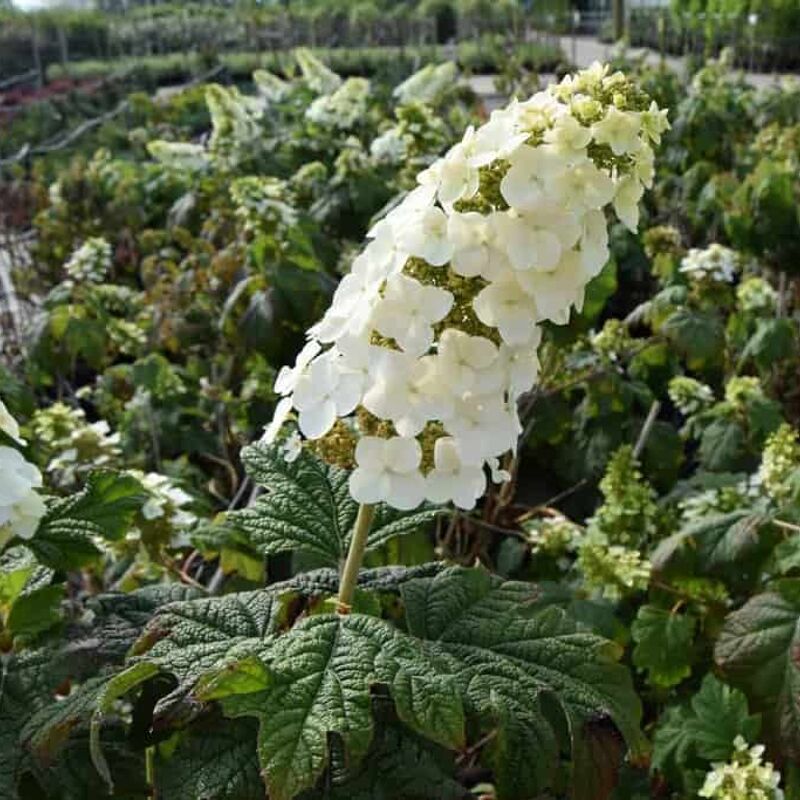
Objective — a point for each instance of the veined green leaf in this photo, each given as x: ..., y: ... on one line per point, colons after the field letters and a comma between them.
x: 759, y: 650
x: 307, y: 506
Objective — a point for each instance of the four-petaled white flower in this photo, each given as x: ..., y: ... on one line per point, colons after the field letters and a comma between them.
x: 407, y: 391
x: 451, y: 479
x: 526, y: 185
x: 326, y: 390
x: 508, y: 308
x: 619, y: 130
x: 626, y: 202
x: 408, y: 310
x: 468, y: 363
x: 425, y: 236
x: 288, y: 376
x: 388, y: 471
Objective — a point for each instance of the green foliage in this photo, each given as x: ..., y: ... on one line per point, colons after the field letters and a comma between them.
x: 702, y: 731
x: 308, y: 508
x: 757, y: 649
x: 663, y: 645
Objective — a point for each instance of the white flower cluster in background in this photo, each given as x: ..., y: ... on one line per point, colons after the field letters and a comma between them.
x: 236, y: 130
x: 390, y: 147
x: 344, y: 108
x: 689, y: 395
x: 183, y: 156
x: 427, y: 84
x: 745, y: 777
x: 554, y: 535
x: 433, y: 335
x: 260, y: 202
x: 73, y: 445
x: 91, y: 261
x: 756, y: 296
x: 779, y: 462
x: 166, y: 503
x: 21, y: 507
x: 320, y: 79
x: 270, y: 86
x: 716, y: 263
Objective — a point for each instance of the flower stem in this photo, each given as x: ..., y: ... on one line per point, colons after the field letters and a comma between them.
x: 355, y: 555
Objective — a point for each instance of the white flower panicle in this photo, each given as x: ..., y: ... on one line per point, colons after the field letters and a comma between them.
x: 182, y: 156
x: 689, y: 395
x: 756, y: 296
x: 344, y: 108
x: 417, y: 365
x: 319, y: 78
x: 91, y: 261
x: 745, y: 777
x: 426, y: 84
x: 716, y: 264
x: 270, y: 86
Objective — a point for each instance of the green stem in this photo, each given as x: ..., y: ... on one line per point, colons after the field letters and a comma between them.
x: 150, y: 768
x: 355, y: 555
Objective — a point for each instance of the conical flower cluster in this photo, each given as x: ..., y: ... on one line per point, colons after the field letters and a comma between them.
x: 433, y: 335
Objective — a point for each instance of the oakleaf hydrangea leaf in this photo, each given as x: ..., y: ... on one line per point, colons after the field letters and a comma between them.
x: 307, y: 506
x: 188, y: 639
x: 759, y: 650
x: 318, y: 682
x: 505, y: 659
x: 213, y: 760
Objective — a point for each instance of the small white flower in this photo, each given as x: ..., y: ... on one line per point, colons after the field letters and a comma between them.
x: 522, y: 364
x: 557, y: 291
x: 426, y: 237
x: 527, y: 184
x: 583, y: 187
x: 388, y: 471
x: 282, y: 411
x: 568, y: 137
x: 324, y: 392
x: 482, y: 426
x: 21, y: 507
x: 468, y: 363
x: 408, y: 391
x: 654, y: 122
x: 407, y: 311
x: 451, y: 479
x: 528, y: 244
x: 476, y: 249
x: 508, y: 308
x: 619, y: 130
x: 292, y: 447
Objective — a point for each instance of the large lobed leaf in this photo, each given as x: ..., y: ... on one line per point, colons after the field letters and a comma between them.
x: 475, y: 650
x: 525, y: 675
x: 307, y: 507
x: 318, y: 682
x: 759, y: 650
